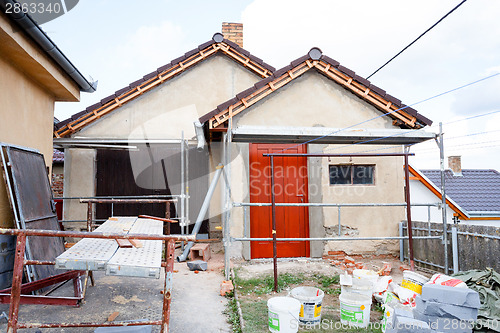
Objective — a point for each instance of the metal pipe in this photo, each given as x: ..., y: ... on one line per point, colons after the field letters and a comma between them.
x: 408, y: 210
x: 273, y: 209
x: 85, y: 234
x: 183, y: 198
x: 340, y: 225
x: 314, y: 204
x: 227, y: 201
x: 15, y: 293
x: 167, y: 289
x: 245, y: 222
x: 127, y: 201
x: 124, y: 197
x: 186, y: 192
x: 202, y: 213
x: 313, y: 239
x: 443, y: 198
x: 106, y: 324
x: 338, y: 155
x: 454, y: 244
x: 401, y: 242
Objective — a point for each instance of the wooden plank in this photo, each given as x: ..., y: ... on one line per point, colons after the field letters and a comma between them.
x: 136, y: 243
x: 124, y: 243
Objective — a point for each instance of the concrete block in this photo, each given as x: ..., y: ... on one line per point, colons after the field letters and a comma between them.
x: 443, y: 324
x: 197, y: 265
x: 403, y: 312
x: 410, y: 325
x: 451, y: 295
x: 436, y: 309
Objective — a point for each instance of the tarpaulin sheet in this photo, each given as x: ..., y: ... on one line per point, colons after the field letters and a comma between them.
x: 487, y: 284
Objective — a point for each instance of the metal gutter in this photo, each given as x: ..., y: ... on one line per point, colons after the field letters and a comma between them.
x: 48, y: 46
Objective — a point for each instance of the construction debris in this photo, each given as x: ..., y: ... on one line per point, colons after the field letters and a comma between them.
x: 197, y: 265
x: 226, y: 287
x: 113, y: 316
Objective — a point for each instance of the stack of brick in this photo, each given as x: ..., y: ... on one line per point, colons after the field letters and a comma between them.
x: 448, y: 309
x: 343, y: 261
x: 349, y: 263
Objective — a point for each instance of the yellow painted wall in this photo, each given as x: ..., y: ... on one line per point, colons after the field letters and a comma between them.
x: 30, y: 83
x: 27, y: 119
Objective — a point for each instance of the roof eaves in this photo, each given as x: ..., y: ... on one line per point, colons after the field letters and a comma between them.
x: 315, y: 55
x: 163, y: 73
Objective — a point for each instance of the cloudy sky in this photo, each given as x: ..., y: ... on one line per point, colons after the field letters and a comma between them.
x: 117, y: 42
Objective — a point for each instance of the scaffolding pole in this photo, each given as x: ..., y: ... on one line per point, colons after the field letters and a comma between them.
x: 443, y: 198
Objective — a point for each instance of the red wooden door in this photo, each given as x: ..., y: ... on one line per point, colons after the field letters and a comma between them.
x: 290, y: 187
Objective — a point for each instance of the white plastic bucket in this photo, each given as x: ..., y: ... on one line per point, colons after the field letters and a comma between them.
x: 359, y: 286
x: 283, y: 313
x: 355, y: 309
x: 413, y: 281
x: 310, y: 299
x: 366, y: 275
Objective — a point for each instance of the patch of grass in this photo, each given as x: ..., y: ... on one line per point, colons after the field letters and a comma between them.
x: 265, y: 284
x: 255, y: 316
x: 232, y: 313
x: 326, y: 280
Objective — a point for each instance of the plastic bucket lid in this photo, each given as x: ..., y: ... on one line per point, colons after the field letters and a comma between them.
x: 307, y: 294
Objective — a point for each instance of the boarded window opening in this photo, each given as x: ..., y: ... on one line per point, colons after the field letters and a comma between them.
x: 351, y: 174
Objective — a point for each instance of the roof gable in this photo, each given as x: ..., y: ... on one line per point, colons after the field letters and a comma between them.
x: 407, y: 117
x: 218, y: 45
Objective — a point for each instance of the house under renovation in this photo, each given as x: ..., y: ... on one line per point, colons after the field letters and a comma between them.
x: 220, y: 104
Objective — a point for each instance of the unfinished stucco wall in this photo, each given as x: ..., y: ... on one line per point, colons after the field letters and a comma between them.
x: 166, y: 111
x: 313, y: 100
x: 82, y: 184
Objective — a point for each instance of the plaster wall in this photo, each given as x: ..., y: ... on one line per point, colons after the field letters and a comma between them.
x: 27, y: 113
x: 313, y: 100
x: 82, y: 184
x: 164, y: 113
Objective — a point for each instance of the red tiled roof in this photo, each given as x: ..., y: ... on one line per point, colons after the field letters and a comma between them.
x: 214, y: 46
x: 407, y: 117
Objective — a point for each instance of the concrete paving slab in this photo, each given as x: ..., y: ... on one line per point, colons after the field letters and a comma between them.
x: 196, y: 303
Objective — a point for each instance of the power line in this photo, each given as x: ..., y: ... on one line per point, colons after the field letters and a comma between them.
x: 388, y: 113
x: 426, y: 31
x: 472, y: 117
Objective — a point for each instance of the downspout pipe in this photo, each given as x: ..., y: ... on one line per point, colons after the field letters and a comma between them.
x: 200, y: 136
x: 203, y: 212
x: 48, y: 46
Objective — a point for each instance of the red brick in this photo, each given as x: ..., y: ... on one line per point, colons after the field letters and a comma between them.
x: 404, y: 268
x: 359, y: 265
x: 349, y: 260
x: 335, y: 253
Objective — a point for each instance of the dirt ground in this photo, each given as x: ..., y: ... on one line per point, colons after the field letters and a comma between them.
x: 254, y: 306
x: 195, y: 297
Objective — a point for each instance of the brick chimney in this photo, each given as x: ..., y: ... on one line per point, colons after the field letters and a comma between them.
x: 455, y: 164
x: 233, y: 32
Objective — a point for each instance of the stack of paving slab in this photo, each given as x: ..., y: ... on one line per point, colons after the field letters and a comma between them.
x: 404, y: 322
x: 447, y: 309
x: 439, y: 309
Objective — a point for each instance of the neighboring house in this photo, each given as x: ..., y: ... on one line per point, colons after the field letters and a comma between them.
x: 34, y: 74
x: 264, y: 110
x: 472, y: 195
